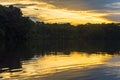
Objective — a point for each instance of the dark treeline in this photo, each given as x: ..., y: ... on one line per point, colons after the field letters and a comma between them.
x: 80, y: 32
x: 17, y: 29
x: 21, y: 38
x: 14, y: 28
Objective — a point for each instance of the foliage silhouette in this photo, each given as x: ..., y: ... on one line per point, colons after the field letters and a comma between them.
x: 21, y: 38
x: 14, y: 28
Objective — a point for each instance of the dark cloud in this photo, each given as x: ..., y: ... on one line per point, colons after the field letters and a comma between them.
x: 100, y: 6
x: 82, y: 4
x: 109, y: 7
x: 113, y: 17
x: 22, y: 5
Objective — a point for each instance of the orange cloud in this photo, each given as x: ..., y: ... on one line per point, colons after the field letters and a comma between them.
x: 51, y: 14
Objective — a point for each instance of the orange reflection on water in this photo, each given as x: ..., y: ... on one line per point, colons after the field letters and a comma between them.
x: 41, y: 66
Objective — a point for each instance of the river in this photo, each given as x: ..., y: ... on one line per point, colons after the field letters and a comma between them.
x: 62, y: 66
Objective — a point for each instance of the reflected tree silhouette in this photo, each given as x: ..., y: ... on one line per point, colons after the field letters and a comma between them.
x: 21, y: 38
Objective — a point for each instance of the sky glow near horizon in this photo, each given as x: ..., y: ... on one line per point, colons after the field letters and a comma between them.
x: 69, y: 11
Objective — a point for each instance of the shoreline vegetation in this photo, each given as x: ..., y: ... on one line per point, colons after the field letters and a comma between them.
x: 15, y: 29
x: 22, y: 39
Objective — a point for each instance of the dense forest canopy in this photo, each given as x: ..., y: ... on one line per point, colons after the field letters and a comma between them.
x: 14, y: 27
x: 20, y: 36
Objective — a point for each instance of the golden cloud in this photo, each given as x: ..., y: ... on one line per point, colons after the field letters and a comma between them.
x: 49, y: 13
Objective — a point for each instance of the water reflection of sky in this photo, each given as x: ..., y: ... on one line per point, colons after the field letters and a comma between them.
x: 50, y: 64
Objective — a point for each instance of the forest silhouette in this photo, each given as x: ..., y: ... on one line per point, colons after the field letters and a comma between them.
x: 18, y: 29
x: 21, y: 38
x: 14, y: 27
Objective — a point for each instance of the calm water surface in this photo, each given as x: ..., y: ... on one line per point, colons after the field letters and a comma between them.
x: 58, y: 66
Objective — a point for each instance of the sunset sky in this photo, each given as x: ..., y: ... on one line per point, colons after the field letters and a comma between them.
x: 69, y: 11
